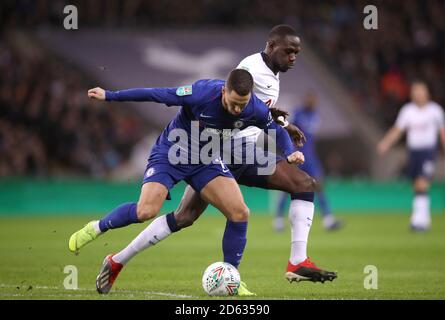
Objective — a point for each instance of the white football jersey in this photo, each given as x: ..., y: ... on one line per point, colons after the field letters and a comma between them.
x: 266, y: 87
x: 422, y: 124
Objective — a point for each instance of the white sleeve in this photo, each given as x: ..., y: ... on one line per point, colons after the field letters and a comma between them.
x: 402, y: 119
x: 244, y: 64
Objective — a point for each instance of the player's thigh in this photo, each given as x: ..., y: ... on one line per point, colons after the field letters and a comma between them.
x: 225, y: 194
x: 152, y: 197
x: 289, y: 178
x: 190, y: 207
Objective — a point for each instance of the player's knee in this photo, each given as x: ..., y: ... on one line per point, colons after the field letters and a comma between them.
x: 146, y: 211
x: 421, y: 185
x: 240, y: 213
x: 184, y: 218
x: 307, y: 184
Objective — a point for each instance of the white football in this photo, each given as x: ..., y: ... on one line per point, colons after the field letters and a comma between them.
x: 221, y: 279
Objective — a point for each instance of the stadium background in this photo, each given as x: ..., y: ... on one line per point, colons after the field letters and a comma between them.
x: 63, y: 155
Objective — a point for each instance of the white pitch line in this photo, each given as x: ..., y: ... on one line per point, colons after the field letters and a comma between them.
x: 150, y: 293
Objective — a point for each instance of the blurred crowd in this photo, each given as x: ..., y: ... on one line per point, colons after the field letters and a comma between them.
x: 376, y: 65
x: 48, y: 125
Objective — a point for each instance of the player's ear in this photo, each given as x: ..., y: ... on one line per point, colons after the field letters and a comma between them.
x: 223, y: 90
x: 271, y: 44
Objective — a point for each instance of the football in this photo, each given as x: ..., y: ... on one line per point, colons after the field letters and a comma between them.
x: 221, y: 279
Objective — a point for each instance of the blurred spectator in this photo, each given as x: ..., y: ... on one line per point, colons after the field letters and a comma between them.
x: 47, y: 123
x: 375, y: 65
x: 410, y: 37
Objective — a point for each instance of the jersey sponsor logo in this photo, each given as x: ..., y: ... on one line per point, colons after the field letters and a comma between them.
x: 150, y: 172
x: 269, y: 86
x: 184, y: 91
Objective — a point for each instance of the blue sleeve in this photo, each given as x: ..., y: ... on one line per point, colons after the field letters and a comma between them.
x: 162, y: 95
x: 266, y: 122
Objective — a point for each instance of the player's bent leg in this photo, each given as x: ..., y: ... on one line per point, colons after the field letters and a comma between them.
x: 301, y: 187
x: 150, y: 201
x: 190, y: 208
x: 152, y: 197
x: 121, y: 216
x: 289, y: 178
x: 225, y: 195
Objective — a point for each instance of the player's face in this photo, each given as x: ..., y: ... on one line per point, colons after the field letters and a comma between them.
x: 233, y: 102
x: 284, y: 52
x: 419, y: 94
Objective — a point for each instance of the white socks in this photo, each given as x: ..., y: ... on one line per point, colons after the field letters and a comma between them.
x: 301, y: 214
x: 96, y: 227
x: 156, y: 231
x: 421, y: 211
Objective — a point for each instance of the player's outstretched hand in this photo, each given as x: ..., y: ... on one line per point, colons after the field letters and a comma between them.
x: 297, y: 158
x: 96, y: 93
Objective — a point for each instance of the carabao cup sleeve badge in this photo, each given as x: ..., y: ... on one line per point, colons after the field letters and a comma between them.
x: 184, y: 91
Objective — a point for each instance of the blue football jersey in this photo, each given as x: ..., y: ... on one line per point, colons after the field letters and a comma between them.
x: 201, y: 112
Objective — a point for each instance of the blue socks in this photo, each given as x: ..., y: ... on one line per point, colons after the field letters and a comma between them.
x: 121, y: 216
x: 234, y: 242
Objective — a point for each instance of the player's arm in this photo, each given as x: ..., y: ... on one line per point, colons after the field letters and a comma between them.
x: 391, y: 137
x: 283, y: 139
x: 166, y: 96
x: 295, y: 133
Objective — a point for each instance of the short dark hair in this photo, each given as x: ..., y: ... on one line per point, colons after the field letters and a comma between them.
x: 241, y: 81
x: 281, y: 31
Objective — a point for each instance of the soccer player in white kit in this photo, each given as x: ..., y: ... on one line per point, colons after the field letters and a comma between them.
x: 423, y: 121
x: 282, y: 47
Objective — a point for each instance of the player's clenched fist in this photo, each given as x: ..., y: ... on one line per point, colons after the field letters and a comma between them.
x: 96, y: 93
x: 297, y: 158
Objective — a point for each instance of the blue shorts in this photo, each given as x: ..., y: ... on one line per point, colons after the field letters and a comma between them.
x: 421, y: 163
x: 196, y: 175
x: 248, y: 174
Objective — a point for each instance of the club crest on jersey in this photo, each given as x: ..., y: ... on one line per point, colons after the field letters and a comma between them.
x: 238, y: 124
x: 150, y: 172
x: 184, y: 91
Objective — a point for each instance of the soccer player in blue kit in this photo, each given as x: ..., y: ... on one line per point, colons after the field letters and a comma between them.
x: 279, y: 56
x: 308, y: 120
x: 217, y: 105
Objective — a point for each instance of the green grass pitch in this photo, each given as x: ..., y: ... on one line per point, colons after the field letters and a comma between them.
x: 34, y: 254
